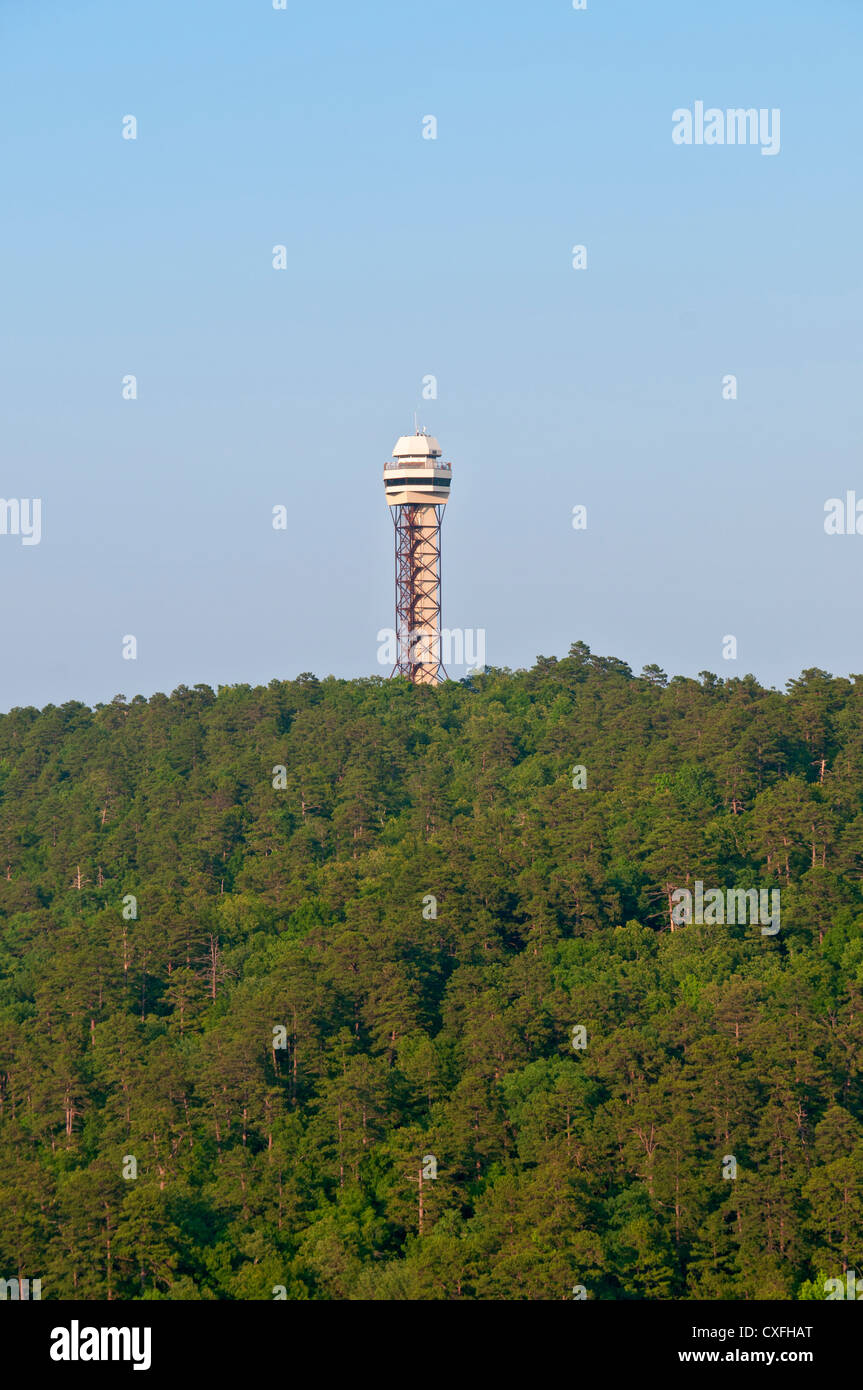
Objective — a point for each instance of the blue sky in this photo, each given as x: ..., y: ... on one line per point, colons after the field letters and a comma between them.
x: 409, y: 257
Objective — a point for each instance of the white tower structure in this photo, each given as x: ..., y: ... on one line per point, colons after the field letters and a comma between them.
x: 417, y: 488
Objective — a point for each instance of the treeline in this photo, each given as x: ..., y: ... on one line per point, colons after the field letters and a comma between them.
x: 354, y: 989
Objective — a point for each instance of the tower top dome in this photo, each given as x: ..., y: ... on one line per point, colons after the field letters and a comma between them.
x: 415, y: 446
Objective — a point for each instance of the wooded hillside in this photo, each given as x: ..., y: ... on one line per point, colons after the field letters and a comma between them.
x: 168, y: 899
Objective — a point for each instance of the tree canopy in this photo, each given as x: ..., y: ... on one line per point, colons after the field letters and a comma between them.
x: 353, y: 990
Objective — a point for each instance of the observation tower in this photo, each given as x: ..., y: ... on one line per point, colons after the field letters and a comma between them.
x: 417, y: 489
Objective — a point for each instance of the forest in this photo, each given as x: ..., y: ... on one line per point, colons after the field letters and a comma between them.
x: 360, y: 990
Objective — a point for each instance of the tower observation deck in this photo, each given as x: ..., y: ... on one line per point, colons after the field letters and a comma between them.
x: 417, y: 487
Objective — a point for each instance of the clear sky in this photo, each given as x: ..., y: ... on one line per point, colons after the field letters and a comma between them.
x: 406, y: 256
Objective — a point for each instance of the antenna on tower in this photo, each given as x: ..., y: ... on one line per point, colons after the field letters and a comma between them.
x: 416, y: 426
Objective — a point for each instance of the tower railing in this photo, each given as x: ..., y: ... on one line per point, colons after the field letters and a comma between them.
x: 422, y: 464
